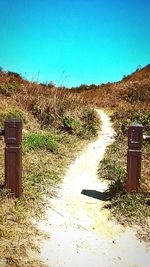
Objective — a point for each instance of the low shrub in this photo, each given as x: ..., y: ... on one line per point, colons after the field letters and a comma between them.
x: 15, y: 113
x: 137, y: 92
x: 114, y: 172
x: 90, y: 123
x: 7, y: 89
x: 143, y: 118
x: 71, y: 125
x: 15, y: 74
x: 124, y: 116
x: 44, y: 113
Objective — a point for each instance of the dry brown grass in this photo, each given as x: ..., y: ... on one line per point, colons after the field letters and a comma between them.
x: 45, y: 109
x: 42, y: 171
x: 129, y: 101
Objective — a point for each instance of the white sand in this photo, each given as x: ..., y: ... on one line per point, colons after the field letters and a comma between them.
x: 80, y: 230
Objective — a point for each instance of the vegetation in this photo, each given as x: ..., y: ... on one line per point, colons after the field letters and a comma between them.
x: 36, y: 141
x: 127, y: 208
x: 134, y: 106
x: 56, y: 122
x: 55, y: 125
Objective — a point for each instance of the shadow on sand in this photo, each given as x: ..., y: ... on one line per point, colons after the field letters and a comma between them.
x: 104, y: 196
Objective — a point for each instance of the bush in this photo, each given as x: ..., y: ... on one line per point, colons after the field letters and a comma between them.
x: 143, y: 118
x: 90, y: 123
x: 114, y: 172
x: 43, y: 113
x: 15, y: 74
x: 71, y: 125
x: 16, y: 113
x: 7, y: 89
x: 124, y: 116
x: 137, y: 92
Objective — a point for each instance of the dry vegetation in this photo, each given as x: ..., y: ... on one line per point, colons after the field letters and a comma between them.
x: 56, y: 125
x: 132, y: 105
x: 57, y: 122
x: 127, y: 101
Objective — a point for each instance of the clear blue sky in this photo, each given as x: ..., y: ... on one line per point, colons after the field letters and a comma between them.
x: 73, y: 42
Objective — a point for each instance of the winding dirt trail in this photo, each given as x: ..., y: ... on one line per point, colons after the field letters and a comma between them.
x: 81, y: 233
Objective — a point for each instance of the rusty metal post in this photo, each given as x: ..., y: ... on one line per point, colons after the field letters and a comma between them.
x: 13, y: 156
x: 135, y: 136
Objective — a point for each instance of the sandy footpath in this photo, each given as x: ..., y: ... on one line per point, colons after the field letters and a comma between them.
x: 81, y: 233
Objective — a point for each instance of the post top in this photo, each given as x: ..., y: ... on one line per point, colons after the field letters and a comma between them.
x: 13, y: 131
x: 136, y: 125
x: 13, y: 120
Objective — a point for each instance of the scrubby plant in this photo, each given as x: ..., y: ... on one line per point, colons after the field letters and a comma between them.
x: 113, y: 172
x: 7, y: 89
x: 125, y: 115
x: 143, y: 118
x: 15, y: 74
x: 16, y: 113
x: 10, y: 114
x: 71, y: 125
x: 90, y: 123
x: 135, y: 93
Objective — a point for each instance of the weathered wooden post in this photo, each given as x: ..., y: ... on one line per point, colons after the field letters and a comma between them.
x: 135, y: 137
x: 13, y: 156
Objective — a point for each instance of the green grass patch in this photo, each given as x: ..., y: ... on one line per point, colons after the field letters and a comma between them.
x: 36, y: 141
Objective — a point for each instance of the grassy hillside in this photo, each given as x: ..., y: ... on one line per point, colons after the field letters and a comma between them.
x: 131, y: 104
x: 132, y: 89
x: 126, y: 101
x: 57, y: 123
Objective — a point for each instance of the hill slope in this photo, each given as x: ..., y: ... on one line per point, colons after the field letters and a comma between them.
x: 57, y: 122
x: 55, y: 127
